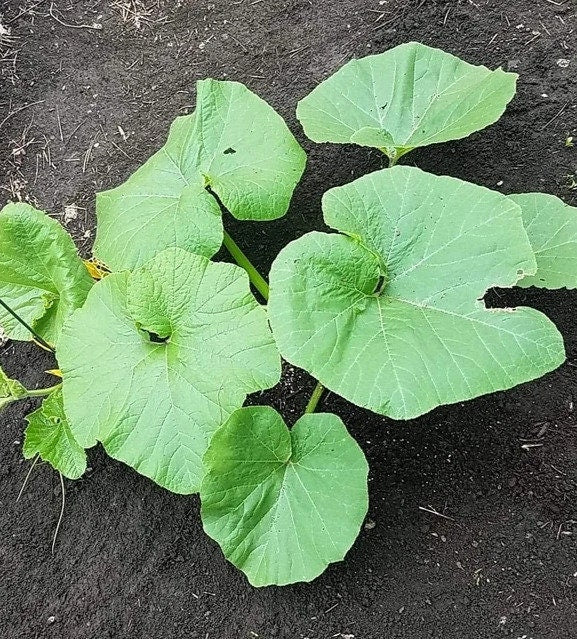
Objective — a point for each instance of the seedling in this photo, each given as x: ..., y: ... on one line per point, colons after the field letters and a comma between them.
x: 158, y: 356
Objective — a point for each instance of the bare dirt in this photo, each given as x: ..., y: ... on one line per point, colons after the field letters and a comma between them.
x: 473, y: 518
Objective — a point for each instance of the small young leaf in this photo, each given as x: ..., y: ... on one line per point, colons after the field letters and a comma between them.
x: 42, y: 278
x: 234, y: 143
x: 10, y: 390
x: 390, y: 315
x: 156, y: 360
x: 409, y: 96
x: 552, y: 229
x: 283, y: 504
x: 48, y: 435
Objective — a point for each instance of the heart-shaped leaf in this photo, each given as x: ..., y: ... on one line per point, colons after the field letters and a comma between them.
x: 156, y: 360
x: 234, y: 143
x: 10, y: 390
x: 552, y: 229
x: 283, y: 504
x: 42, y: 278
x: 48, y: 434
x: 390, y: 315
x: 409, y: 96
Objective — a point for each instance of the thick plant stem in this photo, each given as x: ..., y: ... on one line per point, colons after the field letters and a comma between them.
x: 315, y: 397
x: 392, y: 160
x: 17, y: 317
x: 41, y: 392
x: 261, y: 285
x: 241, y: 259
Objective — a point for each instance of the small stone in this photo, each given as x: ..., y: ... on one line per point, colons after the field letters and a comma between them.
x: 563, y: 63
x: 70, y: 213
x: 51, y: 620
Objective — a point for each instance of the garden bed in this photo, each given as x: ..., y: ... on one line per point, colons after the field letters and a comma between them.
x: 473, y: 516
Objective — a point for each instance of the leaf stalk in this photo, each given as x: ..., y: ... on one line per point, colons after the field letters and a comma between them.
x: 242, y: 260
x: 262, y: 287
x: 42, y: 392
x: 315, y: 397
x: 17, y: 317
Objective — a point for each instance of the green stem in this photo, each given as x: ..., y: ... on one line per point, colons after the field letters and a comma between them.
x: 26, y: 326
x: 41, y: 392
x: 392, y: 160
x: 241, y: 259
x: 262, y: 287
x: 315, y: 397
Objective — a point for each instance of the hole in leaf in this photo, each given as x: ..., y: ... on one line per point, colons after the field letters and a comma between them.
x: 155, y: 338
x: 229, y: 151
x: 380, y: 285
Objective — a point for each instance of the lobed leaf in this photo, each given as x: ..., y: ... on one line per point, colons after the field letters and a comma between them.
x: 10, y: 390
x: 156, y: 360
x: 390, y: 313
x: 234, y: 143
x: 48, y: 434
x: 552, y: 229
x: 283, y: 504
x: 42, y: 278
x: 407, y: 97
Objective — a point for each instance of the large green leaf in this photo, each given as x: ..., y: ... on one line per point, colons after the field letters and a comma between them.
x: 155, y: 404
x: 552, y: 229
x: 390, y: 315
x: 48, y: 434
x: 234, y: 143
x: 409, y: 96
x: 283, y: 504
x: 41, y: 276
x: 10, y: 390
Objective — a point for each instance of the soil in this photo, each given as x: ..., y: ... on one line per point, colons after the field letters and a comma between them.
x: 473, y: 518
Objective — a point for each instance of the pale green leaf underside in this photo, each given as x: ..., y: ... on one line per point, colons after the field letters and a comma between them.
x: 283, y: 504
x: 48, y: 434
x: 552, y: 229
x: 427, y: 339
x: 236, y: 144
x: 153, y: 405
x: 10, y: 390
x: 407, y: 97
x: 41, y: 276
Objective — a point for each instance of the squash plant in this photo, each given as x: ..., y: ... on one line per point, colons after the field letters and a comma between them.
x: 158, y: 356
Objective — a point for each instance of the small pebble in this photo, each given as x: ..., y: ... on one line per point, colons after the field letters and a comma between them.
x: 370, y: 524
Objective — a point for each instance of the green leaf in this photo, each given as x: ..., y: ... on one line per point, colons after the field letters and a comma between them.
x: 409, y: 96
x: 552, y: 229
x: 41, y: 276
x: 48, y: 434
x: 390, y: 315
x: 283, y: 504
x: 10, y: 390
x: 155, y: 361
x: 234, y: 143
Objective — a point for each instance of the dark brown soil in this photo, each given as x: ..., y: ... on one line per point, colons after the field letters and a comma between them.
x: 131, y: 560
